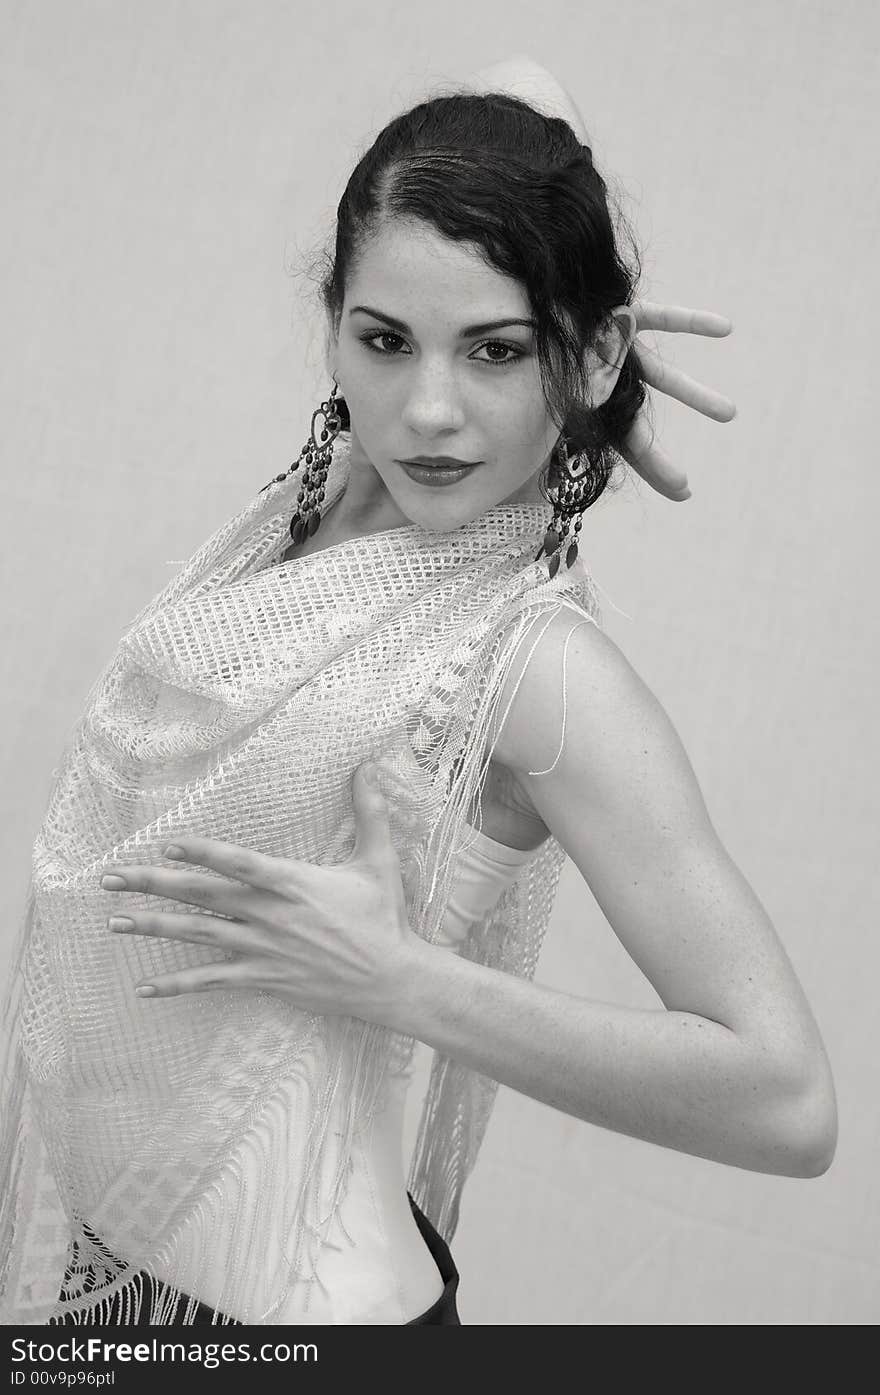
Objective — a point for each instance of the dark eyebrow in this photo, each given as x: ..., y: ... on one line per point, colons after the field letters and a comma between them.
x: 467, y: 333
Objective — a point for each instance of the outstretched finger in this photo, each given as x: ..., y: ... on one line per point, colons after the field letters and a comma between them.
x: 680, y: 385
x: 640, y: 450
x: 679, y: 319
x: 207, y: 978
x: 255, y: 869
x: 213, y: 930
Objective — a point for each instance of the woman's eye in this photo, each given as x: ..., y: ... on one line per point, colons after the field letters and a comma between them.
x: 506, y: 348
x: 511, y: 353
x: 371, y: 340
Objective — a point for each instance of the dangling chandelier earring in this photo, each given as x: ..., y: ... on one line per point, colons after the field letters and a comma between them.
x: 316, y: 459
x: 569, y: 499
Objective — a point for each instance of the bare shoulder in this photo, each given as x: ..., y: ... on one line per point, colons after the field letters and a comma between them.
x: 595, y: 756
x: 570, y: 686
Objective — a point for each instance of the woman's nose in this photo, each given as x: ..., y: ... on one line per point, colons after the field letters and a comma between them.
x: 433, y: 402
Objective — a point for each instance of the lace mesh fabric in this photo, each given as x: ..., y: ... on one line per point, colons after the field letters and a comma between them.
x: 237, y: 705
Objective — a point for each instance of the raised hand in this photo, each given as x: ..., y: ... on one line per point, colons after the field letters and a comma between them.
x: 329, y: 940
x: 641, y: 450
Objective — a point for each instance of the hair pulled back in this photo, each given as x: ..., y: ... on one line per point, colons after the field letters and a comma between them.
x: 490, y: 170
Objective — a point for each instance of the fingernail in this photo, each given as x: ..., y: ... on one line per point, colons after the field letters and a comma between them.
x: 174, y: 852
x: 371, y: 774
x: 120, y: 922
x: 145, y: 990
x: 113, y: 883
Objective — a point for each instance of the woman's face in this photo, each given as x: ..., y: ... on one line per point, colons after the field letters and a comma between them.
x: 421, y: 379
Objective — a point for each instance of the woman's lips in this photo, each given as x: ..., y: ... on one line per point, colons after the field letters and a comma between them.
x: 435, y: 474
x: 446, y: 462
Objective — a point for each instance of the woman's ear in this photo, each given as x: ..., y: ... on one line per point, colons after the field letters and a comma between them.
x: 613, y: 345
x: 331, y: 344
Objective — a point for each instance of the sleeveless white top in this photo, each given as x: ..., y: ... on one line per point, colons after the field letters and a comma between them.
x: 375, y: 1266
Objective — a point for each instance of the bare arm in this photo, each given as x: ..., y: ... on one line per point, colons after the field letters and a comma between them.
x: 733, y: 1068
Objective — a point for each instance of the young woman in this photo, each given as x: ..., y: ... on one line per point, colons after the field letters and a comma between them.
x: 206, y: 1097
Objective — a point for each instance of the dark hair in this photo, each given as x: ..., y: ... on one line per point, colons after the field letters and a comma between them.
x: 490, y: 170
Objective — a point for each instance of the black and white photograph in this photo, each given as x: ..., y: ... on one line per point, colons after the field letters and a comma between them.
x: 439, y: 610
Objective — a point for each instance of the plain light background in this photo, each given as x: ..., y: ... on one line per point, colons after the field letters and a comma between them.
x: 165, y: 167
